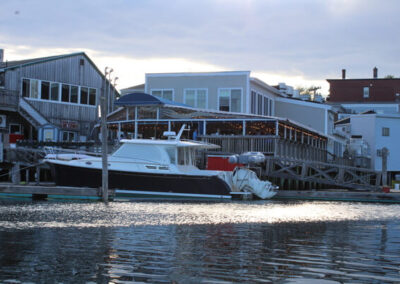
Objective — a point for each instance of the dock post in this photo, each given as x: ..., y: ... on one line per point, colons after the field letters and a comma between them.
x: 104, y: 140
x: 385, y: 153
x: 15, y: 174
x: 37, y: 177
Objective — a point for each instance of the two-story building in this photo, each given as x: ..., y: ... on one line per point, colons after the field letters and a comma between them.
x: 238, y: 92
x: 53, y: 98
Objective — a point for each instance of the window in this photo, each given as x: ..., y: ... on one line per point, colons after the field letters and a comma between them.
x: 45, y: 90
x: 68, y: 136
x: 74, y: 94
x: 65, y: 93
x: 16, y: 128
x: 92, y: 97
x: 58, y: 92
x: 366, y: 92
x: 34, y: 89
x: 2, y: 79
x: 196, y: 98
x: 224, y: 98
x: 165, y: 94
x: 25, y: 87
x: 259, y: 104
x: 230, y: 100
x: 385, y: 131
x: 54, y: 91
x: 84, y: 95
x: 266, y: 107
x: 253, y: 103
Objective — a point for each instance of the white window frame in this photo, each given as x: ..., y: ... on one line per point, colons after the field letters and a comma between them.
x: 385, y: 131
x: 366, y: 92
x: 195, y: 95
x: 69, y: 132
x: 230, y: 98
x: 59, y: 101
x: 162, y: 92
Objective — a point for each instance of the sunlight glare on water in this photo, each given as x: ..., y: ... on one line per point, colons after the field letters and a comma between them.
x: 187, y: 213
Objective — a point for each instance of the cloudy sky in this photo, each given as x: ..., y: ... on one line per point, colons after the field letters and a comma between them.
x: 300, y: 42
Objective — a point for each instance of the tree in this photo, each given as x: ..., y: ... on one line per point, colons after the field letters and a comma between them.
x: 311, y: 90
x: 389, y: 77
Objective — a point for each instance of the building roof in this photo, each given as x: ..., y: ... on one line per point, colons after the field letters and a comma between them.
x: 19, y: 63
x: 364, y: 79
x: 143, y: 99
x: 9, y: 65
x: 140, y: 86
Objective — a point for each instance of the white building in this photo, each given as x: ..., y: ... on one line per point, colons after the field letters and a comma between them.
x: 379, y: 131
x: 237, y: 91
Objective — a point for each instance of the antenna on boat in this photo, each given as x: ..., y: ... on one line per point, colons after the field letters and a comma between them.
x: 172, y: 135
x: 178, y: 137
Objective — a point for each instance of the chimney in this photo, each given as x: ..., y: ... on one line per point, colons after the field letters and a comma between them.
x: 375, y: 73
x: 343, y: 74
x: 1, y: 55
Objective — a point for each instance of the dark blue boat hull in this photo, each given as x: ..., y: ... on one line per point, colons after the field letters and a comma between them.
x: 65, y: 175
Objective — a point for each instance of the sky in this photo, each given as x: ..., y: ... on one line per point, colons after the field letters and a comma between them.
x: 299, y: 42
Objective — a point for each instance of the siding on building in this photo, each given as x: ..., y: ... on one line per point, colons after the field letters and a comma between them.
x: 178, y: 82
x: 310, y: 114
x: 370, y: 127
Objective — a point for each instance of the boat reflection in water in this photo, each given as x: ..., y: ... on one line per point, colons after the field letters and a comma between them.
x: 158, y: 168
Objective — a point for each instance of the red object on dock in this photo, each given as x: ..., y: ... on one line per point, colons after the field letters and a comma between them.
x: 386, y: 189
x: 15, y: 137
x: 220, y: 163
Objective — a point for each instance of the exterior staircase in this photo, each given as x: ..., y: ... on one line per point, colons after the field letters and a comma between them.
x: 31, y: 114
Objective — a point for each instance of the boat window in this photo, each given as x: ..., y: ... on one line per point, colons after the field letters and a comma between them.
x: 171, y: 154
x: 181, y: 156
x: 186, y: 156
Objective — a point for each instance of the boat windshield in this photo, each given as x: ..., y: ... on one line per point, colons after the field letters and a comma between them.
x: 186, y: 156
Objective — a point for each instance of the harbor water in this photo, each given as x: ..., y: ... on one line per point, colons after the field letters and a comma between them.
x: 198, y: 242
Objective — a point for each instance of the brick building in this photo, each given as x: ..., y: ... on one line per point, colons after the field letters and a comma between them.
x: 384, y: 90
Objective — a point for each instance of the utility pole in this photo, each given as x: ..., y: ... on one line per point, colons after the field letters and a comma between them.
x: 104, y: 139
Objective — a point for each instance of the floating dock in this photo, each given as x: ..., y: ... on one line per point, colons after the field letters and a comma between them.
x: 49, y: 190
x: 339, y: 195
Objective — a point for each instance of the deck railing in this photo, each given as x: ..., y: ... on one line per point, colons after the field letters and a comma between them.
x: 268, y: 145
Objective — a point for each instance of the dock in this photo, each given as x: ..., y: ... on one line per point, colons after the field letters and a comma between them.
x: 50, y: 190
x: 339, y: 195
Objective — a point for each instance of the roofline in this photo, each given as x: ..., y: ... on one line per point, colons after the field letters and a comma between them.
x: 307, y: 103
x: 56, y: 57
x: 46, y: 59
x: 190, y: 74
x: 265, y: 85
x: 363, y: 103
x: 361, y: 79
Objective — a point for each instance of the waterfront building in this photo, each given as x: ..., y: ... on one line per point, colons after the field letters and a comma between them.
x: 238, y: 92
x: 382, y: 95
x: 376, y: 131
x: 142, y: 115
x: 53, y: 98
